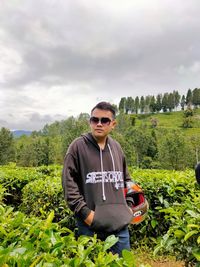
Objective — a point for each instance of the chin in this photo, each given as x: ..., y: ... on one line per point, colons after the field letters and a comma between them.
x: 97, y: 135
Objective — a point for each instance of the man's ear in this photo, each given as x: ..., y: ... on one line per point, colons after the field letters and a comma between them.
x: 114, y: 123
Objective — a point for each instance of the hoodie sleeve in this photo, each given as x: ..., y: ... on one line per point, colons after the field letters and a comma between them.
x: 71, y: 186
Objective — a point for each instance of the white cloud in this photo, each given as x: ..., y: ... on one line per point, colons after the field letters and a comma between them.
x: 58, y: 58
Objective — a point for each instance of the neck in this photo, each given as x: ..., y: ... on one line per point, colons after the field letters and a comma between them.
x: 101, y: 142
x: 102, y: 145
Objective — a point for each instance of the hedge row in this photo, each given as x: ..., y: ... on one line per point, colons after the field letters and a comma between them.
x: 13, y: 179
x: 169, y: 194
x: 173, y: 225
x: 29, y: 241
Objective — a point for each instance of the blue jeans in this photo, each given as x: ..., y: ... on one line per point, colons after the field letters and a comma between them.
x: 123, y: 235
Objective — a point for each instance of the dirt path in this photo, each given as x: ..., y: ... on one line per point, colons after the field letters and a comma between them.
x: 166, y: 263
x: 158, y: 262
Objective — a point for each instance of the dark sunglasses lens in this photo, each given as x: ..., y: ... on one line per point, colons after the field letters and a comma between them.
x: 94, y: 120
x: 105, y: 120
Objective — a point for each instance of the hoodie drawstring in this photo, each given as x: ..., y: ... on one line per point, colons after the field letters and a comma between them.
x: 102, y: 183
x: 113, y: 163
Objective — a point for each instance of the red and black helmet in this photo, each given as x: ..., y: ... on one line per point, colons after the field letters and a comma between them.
x: 138, y: 203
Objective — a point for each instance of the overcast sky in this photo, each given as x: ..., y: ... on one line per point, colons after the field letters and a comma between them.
x: 60, y: 57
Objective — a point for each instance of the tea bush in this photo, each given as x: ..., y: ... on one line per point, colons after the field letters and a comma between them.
x: 35, y: 242
x: 41, y: 196
x: 162, y: 188
x: 13, y: 179
x: 2, y: 194
x: 183, y: 235
x: 172, y: 224
x: 51, y: 170
x: 174, y: 215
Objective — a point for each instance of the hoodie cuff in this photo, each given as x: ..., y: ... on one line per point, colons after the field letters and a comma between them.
x: 84, y: 212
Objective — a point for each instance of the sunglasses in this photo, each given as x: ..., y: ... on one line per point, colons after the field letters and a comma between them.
x: 103, y: 120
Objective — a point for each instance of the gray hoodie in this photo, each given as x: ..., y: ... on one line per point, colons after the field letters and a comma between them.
x: 94, y: 179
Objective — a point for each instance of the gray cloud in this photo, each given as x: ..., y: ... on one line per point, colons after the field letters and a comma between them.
x: 59, y: 57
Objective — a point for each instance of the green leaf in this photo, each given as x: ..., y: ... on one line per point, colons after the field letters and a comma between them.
x: 196, y: 254
x: 179, y: 233
x: 129, y: 258
x: 49, y: 220
x: 161, y: 199
x: 36, y: 260
x: 193, y: 214
x: 154, y: 223
x: 2, y: 230
x: 191, y: 233
x: 193, y: 226
x: 109, y: 242
x: 18, y: 251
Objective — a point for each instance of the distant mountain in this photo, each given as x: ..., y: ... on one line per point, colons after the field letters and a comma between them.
x: 18, y: 133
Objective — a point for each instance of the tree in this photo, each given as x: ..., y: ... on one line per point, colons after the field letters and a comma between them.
x: 172, y: 150
x: 7, y: 151
x: 143, y: 144
x: 142, y: 104
x: 124, y: 122
x: 137, y: 104
x: 158, y: 102
x: 195, y: 145
x: 171, y: 102
x: 34, y: 151
x: 122, y: 105
x: 152, y: 104
x: 147, y: 103
x: 189, y: 97
x: 176, y: 98
x: 183, y: 102
x: 188, y: 118
x: 165, y: 102
x: 196, y: 97
x: 130, y: 108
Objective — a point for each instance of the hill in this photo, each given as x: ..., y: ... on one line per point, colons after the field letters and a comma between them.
x: 171, y: 120
x: 18, y: 133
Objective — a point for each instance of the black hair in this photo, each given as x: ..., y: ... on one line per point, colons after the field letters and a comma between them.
x: 105, y: 106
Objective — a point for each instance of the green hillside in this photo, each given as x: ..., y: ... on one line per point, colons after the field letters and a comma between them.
x: 171, y: 120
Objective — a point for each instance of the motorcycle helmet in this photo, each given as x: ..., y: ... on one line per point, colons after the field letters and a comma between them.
x: 138, y: 203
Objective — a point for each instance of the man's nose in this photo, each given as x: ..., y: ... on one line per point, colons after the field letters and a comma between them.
x: 99, y: 123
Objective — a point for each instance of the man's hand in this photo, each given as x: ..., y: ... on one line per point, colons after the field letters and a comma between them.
x: 89, y: 218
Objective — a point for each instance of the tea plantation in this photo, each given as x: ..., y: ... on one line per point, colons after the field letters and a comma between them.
x: 38, y: 229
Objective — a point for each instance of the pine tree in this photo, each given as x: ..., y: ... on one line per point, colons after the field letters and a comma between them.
x: 7, y: 151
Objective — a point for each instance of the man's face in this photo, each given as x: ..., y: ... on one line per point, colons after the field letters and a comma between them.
x: 101, y: 123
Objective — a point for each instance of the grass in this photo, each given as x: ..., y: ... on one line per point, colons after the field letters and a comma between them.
x: 170, y: 120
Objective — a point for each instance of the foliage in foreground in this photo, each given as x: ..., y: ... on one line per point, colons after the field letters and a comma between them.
x: 173, y: 221
x: 183, y: 236
x: 174, y: 216
x: 34, y: 242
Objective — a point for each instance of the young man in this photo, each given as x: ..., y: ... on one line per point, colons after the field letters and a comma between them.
x: 94, y: 177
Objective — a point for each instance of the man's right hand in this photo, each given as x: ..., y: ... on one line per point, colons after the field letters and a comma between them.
x: 89, y: 218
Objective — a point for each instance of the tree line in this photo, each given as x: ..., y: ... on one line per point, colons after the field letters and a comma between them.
x: 144, y: 146
x: 166, y: 102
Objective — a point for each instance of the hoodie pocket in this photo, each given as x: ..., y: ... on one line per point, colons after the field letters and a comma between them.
x: 111, y: 217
